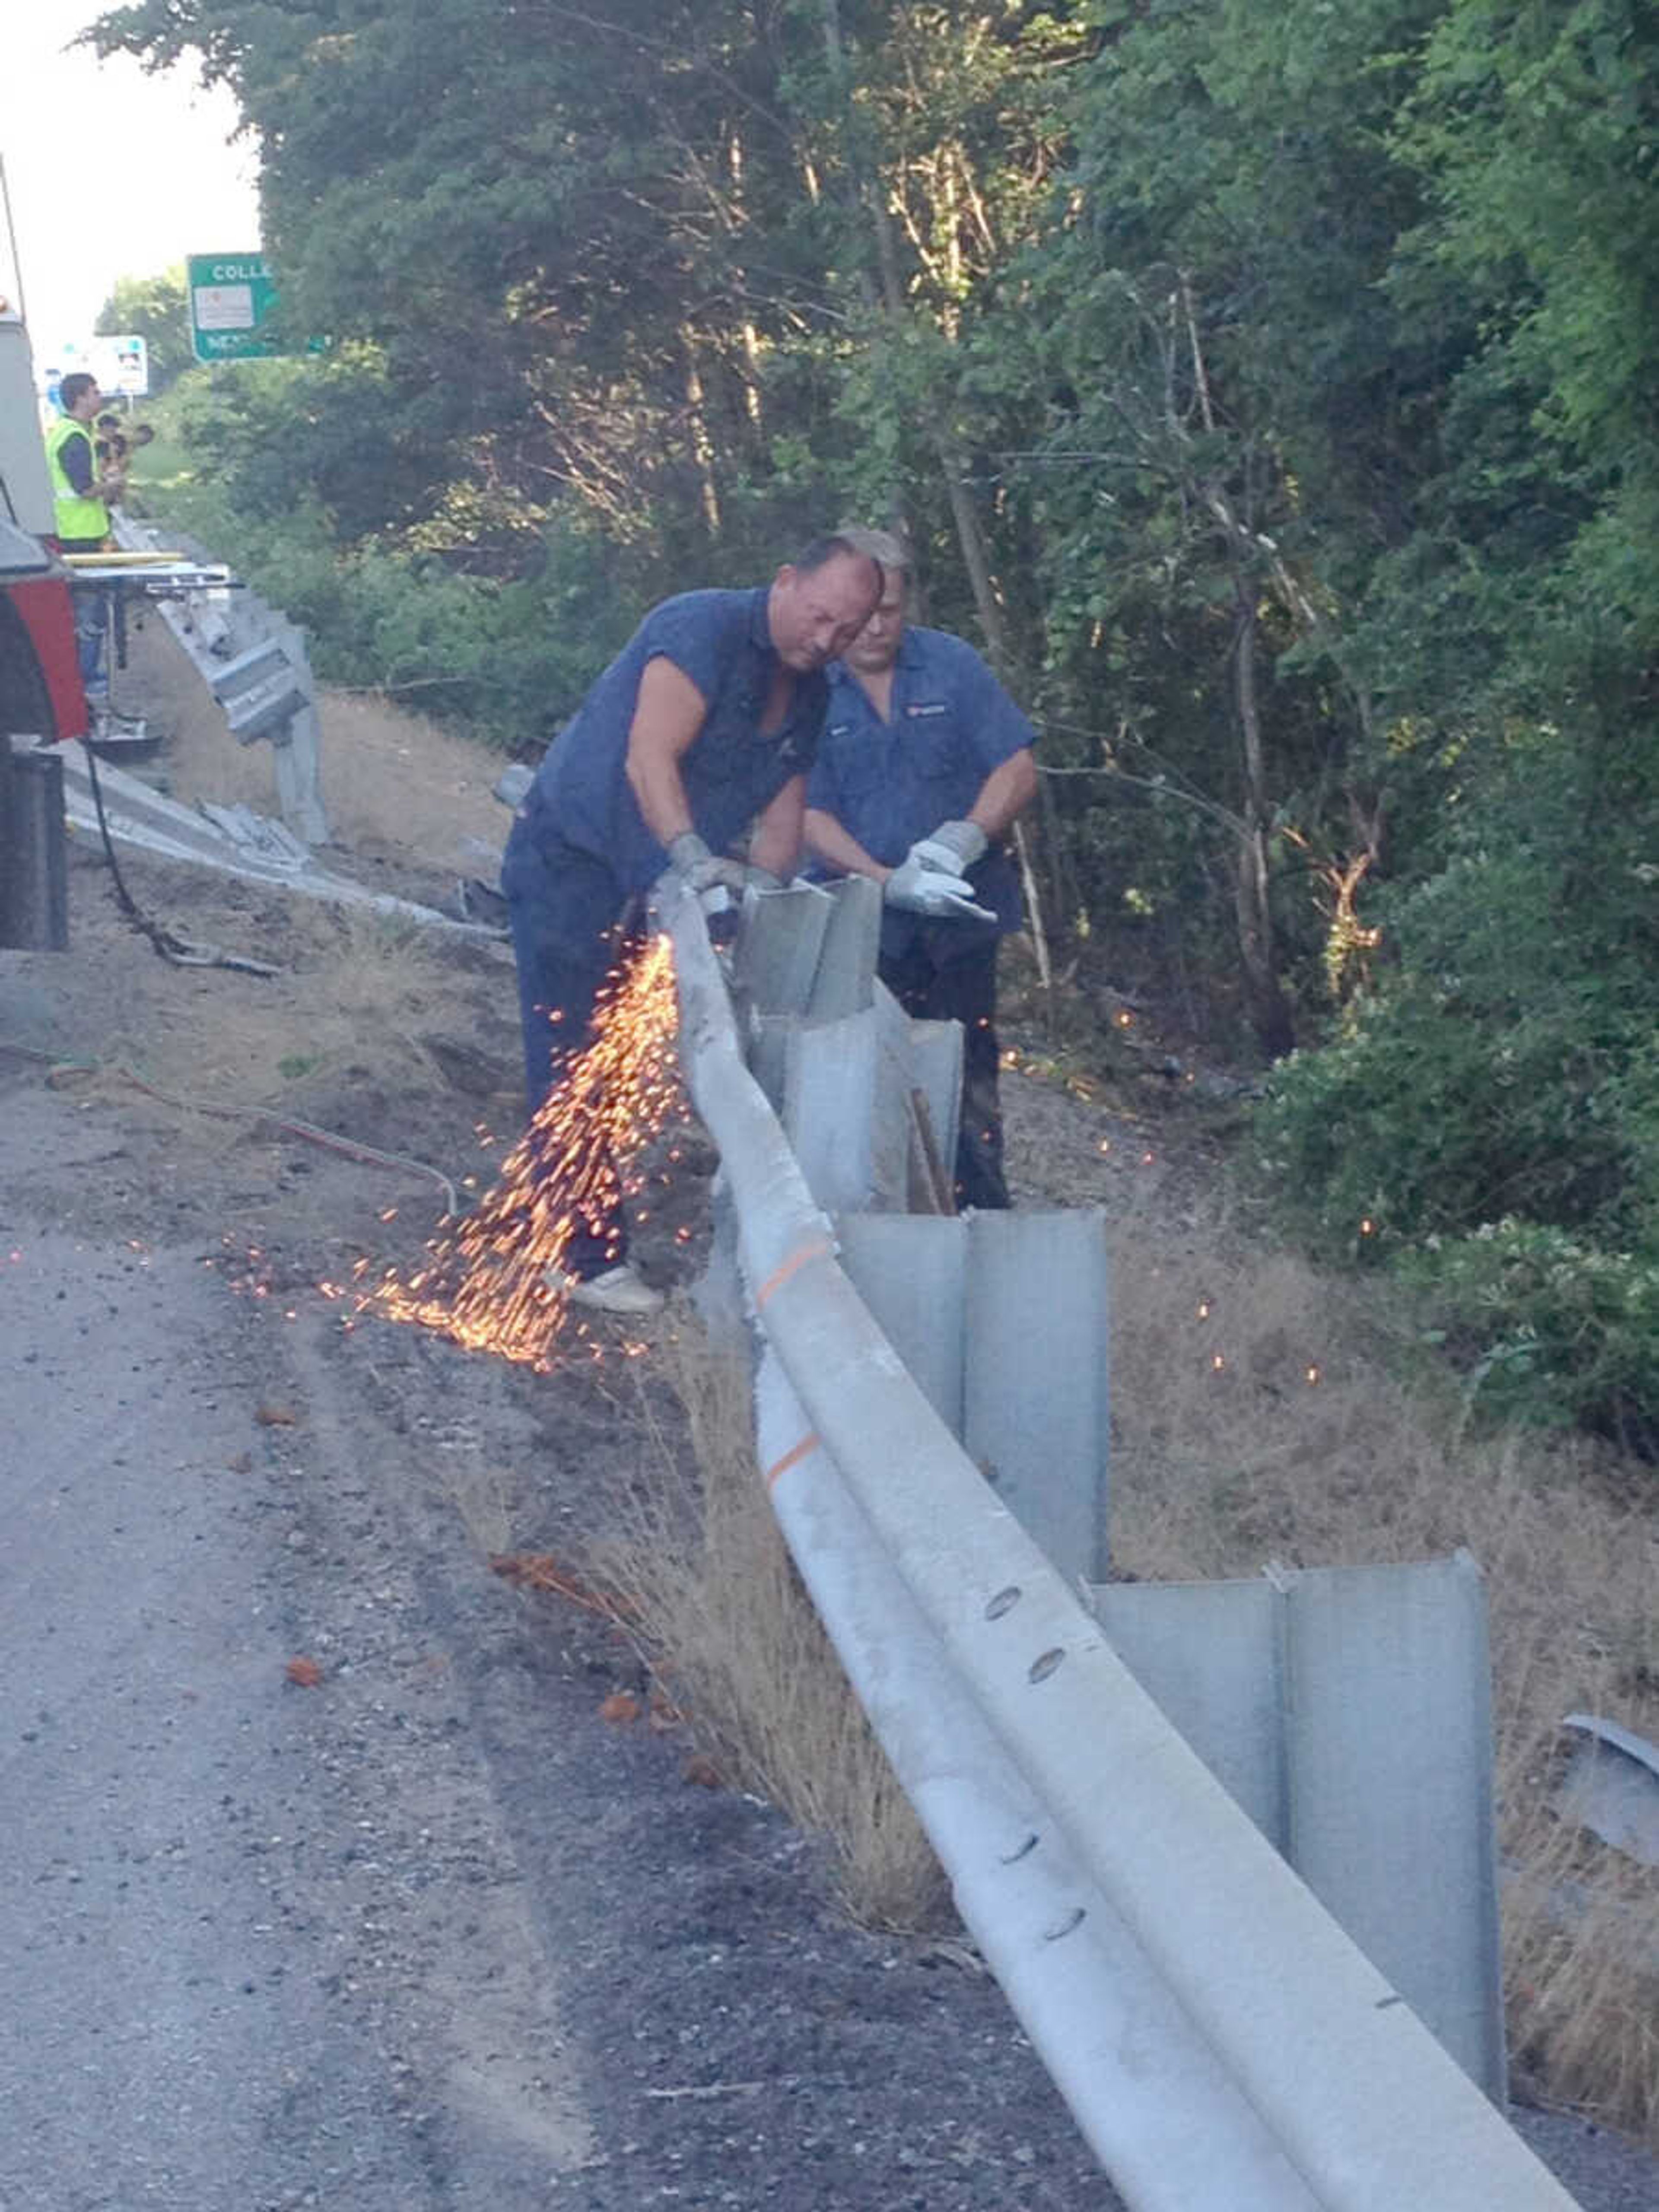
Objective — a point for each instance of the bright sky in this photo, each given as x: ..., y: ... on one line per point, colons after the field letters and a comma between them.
x: 167, y: 183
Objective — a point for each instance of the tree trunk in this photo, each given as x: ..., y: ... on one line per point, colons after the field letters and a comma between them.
x: 1270, y: 1010
x: 703, y: 446
x: 969, y: 537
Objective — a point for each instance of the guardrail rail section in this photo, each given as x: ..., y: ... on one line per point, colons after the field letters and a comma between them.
x: 1227, y: 1848
x: 254, y: 662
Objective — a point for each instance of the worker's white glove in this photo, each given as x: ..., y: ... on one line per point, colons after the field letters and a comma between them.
x: 714, y: 880
x: 952, y: 849
x: 920, y: 888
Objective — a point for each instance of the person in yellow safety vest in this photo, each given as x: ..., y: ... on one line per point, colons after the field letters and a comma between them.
x: 79, y: 493
x: 77, y: 487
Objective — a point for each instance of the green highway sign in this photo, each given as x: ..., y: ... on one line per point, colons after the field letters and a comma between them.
x: 232, y: 299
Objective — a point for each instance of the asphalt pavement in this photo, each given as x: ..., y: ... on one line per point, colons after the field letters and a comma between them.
x: 193, y: 1906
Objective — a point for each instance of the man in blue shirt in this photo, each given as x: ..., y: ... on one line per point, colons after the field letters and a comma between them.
x: 924, y: 764
x: 705, y: 724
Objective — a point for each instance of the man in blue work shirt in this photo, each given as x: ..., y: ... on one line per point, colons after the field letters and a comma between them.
x: 925, y: 763
x: 705, y: 724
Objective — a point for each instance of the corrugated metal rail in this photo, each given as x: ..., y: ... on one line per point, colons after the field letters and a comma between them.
x: 1223, y: 2045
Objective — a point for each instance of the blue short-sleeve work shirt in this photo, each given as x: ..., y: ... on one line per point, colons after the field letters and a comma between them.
x: 887, y: 782
x: 731, y: 772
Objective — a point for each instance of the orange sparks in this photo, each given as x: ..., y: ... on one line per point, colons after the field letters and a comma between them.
x: 488, y: 1283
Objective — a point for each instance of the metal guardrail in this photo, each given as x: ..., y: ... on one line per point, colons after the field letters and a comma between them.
x: 1223, y: 2045
x: 253, y: 661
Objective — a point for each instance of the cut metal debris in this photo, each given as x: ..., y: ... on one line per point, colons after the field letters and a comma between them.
x: 1611, y: 1786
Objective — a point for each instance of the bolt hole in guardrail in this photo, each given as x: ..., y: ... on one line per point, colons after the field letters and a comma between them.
x: 1021, y: 1850
x: 1003, y: 1601
x: 1040, y: 1668
x: 1067, y: 1922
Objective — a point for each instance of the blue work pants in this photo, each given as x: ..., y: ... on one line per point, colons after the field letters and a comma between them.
x: 564, y: 907
x: 91, y: 602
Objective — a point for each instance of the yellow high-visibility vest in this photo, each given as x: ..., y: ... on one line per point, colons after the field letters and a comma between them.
x: 77, y: 515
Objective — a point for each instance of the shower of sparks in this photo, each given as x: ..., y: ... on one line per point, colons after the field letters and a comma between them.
x: 492, y: 1283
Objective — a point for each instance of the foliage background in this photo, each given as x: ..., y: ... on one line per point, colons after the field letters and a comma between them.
x: 1272, y: 392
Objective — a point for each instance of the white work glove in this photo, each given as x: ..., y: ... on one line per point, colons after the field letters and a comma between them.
x: 918, y: 888
x: 952, y: 849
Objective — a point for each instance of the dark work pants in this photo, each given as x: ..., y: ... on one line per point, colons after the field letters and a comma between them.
x: 563, y: 906
x: 961, y: 987
x: 91, y: 604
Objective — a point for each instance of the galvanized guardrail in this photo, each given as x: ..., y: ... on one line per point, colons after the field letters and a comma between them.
x: 1223, y: 2045
x: 253, y: 661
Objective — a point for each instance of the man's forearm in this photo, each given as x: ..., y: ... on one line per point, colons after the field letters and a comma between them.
x: 1005, y: 794
x: 658, y: 786
x: 826, y: 837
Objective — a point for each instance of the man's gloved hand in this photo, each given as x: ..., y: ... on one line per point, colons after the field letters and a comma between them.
x: 952, y: 849
x: 713, y: 878
x: 922, y: 889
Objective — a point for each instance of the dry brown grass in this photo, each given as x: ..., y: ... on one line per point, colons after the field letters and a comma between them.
x: 391, y: 775
x: 391, y: 779
x: 721, y: 1615
x: 1304, y: 1445
x: 354, y: 990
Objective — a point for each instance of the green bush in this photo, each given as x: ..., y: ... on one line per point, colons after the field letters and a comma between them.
x: 507, y: 658
x: 1488, y: 1122
x: 1548, y: 1327
x: 1494, y: 1072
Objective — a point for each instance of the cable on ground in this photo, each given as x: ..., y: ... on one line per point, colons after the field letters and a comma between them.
x: 182, y: 952
x: 331, y: 1140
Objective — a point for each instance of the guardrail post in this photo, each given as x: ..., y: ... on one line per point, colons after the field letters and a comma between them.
x: 1348, y: 1711
x: 829, y: 1108
x: 912, y: 1273
x: 936, y: 1049
x: 1001, y: 1319
x: 298, y: 752
x: 779, y: 946
x: 847, y: 961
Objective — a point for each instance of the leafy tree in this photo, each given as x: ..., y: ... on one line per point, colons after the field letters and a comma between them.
x: 157, y: 310
x: 1271, y: 392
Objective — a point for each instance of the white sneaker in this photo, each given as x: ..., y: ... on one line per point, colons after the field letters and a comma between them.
x: 617, y: 1290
